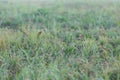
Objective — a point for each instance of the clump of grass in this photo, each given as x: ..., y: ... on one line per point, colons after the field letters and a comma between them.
x: 13, y: 68
x: 11, y: 23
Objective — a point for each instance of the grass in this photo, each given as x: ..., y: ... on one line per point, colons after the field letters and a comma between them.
x: 74, y: 40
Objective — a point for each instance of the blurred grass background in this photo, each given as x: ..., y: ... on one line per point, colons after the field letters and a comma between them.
x: 59, y: 40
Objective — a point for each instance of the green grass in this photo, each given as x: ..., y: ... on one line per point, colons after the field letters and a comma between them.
x: 60, y: 40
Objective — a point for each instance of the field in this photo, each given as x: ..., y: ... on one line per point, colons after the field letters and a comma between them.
x: 59, y: 40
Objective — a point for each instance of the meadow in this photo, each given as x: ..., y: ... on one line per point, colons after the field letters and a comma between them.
x: 59, y: 40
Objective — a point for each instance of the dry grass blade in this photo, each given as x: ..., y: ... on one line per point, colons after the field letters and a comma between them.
x: 39, y: 33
